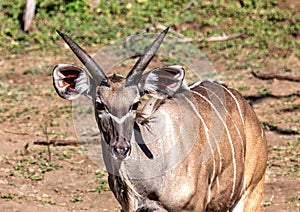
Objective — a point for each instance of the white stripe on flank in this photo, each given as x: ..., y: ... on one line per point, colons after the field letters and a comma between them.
x: 195, y: 84
x: 217, y: 181
x: 235, y: 99
x: 215, y: 140
x: 237, y: 129
x: 207, y: 138
x: 229, y: 137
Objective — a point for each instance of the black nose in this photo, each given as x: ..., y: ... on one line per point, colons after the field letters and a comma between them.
x: 122, y: 151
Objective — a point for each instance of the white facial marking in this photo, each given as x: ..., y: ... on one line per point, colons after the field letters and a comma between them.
x: 119, y: 120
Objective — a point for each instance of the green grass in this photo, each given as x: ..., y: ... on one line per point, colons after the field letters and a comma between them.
x: 286, y: 159
x: 7, y: 196
x: 268, y: 202
x: 76, y: 199
x: 244, y: 88
x: 32, y: 168
x: 293, y: 199
x: 268, y: 30
x: 101, y: 179
x: 33, y: 163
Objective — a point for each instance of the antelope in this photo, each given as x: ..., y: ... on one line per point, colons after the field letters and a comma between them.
x: 188, y: 148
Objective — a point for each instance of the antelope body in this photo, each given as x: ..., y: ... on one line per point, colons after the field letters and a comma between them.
x: 208, y: 170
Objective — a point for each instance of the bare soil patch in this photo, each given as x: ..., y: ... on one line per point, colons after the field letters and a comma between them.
x: 31, y: 111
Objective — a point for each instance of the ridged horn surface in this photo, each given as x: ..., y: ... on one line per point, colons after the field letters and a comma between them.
x: 96, y: 72
x: 136, y: 72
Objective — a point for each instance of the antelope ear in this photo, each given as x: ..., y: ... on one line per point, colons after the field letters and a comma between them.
x: 70, y: 81
x: 162, y: 82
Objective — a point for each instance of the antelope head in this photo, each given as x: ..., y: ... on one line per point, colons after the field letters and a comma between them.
x: 116, y: 98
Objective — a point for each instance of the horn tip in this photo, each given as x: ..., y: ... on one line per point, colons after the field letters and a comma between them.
x: 63, y: 35
x: 58, y: 32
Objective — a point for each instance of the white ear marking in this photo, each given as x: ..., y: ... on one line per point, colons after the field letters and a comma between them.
x: 82, y: 83
x: 164, y: 81
x: 70, y: 81
x: 150, y: 85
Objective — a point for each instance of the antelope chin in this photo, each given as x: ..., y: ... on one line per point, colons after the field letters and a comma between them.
x: 120, y: 157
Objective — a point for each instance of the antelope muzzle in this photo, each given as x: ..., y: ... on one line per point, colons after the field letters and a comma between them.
x: 121, y: 148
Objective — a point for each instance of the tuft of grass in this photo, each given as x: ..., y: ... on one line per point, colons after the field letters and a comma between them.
x: 32, y: 165
x: 76, y: 199
x: 263, y: 91
x: 7, y: 196
x: 268, y: 202
x: 285, y: 159
x: 101, y: 179
x: 244, y: 88
x: 293, y: 199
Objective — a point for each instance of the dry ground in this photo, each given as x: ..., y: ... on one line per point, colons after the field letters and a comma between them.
x: 31, y: 112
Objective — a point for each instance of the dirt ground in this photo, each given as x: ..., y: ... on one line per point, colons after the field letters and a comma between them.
x: 31, y: 114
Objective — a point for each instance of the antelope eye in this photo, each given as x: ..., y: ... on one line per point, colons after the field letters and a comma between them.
x: 135, y: 106
x: 100, y: 106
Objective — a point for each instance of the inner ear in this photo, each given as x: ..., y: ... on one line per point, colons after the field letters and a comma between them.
x: 162, y: 82
x: 70, y: 81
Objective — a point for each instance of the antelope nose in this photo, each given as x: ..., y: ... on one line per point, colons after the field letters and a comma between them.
x: 121, y: 150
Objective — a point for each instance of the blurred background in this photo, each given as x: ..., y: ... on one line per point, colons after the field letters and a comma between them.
x: 253, y: 45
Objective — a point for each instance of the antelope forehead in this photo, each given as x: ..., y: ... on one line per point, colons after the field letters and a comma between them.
x: 118, y: 99
x: 118, y: 94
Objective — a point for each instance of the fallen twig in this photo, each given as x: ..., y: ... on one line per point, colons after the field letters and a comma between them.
x: 184, y: 39
x: 224, y: 37
x: 156, y: 27
x: 282, y: 131
x: 188, y: 6
x: 268, y: 76
x: 57, y: 142
x: 16, y: 133
x: 255, y: 99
